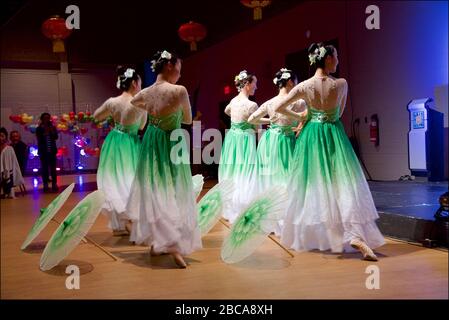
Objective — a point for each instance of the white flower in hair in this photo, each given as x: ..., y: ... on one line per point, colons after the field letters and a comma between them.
x: 275, y: 80
x: 286, y: 75
x: 242, y: 75
x: 322, y: 52
x: 153, y: 65
x: 118, y: 84
x: 312, y: 58
x: 166, y: 55
x: 284, y: 70
x: 129, y: 73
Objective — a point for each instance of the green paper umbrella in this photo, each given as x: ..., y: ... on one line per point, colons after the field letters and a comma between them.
x: 198, y: 182
x: 47, y: 214
x: 70, y: 232
x: 254, y: 224
x: 211, y: 205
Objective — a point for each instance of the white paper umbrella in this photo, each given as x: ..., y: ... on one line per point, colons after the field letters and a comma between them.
x: 46, y: 214
x: 254, y: 224
x: 70, y: 232
x: 211, y: 205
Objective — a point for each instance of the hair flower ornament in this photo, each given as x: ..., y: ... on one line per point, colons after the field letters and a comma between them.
x: 129, y: 73
x: 286, y: 75
x: 166, y: 55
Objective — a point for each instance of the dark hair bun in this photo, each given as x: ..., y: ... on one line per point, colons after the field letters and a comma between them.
x: 125, y: 76
x: 242, y: 79
x: 161, y: 58
x: 282, y: 77
x: 318, y: 53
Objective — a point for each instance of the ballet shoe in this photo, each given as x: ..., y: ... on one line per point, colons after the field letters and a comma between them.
x: 366, y: 251
x: 179, y: 261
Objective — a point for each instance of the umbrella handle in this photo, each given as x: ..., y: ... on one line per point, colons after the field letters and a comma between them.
x: 269, y: 236
x: 280, y: 245
x: 225, y: 223
x: 101, y: 248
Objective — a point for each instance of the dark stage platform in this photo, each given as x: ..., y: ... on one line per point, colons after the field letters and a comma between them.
x: 407, y: 208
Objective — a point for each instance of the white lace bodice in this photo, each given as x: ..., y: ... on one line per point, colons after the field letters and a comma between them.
x: 322, y: 93
x: 162, y: 99
x: 122, y: 111
x: 240, y: 109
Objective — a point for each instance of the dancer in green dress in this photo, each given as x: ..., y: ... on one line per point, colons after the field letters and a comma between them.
x: 275, y: 149
x: 162, y: 201
x: 330, y: 206
x: 119, y: 152
x: 238, y: 154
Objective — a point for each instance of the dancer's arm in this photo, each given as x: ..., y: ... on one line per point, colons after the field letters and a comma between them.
x: 185, y: 104
x: 103, y: 112
x: 343, y: 100
x: 139, y: 101
x: 143, y: 119
x: 282, y: 104
x: 257, y: 116
x: 227, y: 110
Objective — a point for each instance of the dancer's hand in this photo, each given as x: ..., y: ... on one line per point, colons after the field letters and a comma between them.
x: 298, y: 128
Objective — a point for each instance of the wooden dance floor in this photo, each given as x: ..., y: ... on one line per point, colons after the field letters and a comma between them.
x: 406, y: 270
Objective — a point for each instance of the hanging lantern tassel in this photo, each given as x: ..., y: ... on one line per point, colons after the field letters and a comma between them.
x: 257, y: 6
x: 257, y: 13
x: 58, y: 46
x: 193, y: 46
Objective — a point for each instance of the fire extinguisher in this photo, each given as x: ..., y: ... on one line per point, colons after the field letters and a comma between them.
x: 374, y: 130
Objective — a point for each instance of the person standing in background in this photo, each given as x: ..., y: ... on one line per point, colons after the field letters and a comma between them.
x: 46, y: 141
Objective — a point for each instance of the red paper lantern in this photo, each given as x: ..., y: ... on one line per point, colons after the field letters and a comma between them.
x: 257, y: 5
x: 192, y: 32
x: 55, y: 29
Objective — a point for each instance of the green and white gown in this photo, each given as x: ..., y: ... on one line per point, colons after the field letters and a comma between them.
x: 330, y: 202
x: 238, y: 157
x: 162, y: 203
x: 275, y: 148
x: 118, y: 158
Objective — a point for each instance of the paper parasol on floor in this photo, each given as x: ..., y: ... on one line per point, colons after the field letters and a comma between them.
x: 198, y: 182
x: 254, y: 224
x: 211, y: 205
x: 70, y: 232
x: 47, y: 214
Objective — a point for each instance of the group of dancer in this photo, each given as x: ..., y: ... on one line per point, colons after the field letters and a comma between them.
x: 304, y: 150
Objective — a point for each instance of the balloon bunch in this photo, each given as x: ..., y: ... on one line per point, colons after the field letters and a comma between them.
x: 68, y: 123
x: 23, y: 118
